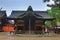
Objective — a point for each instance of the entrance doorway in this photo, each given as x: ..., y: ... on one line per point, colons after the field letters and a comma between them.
x: 29, y: 26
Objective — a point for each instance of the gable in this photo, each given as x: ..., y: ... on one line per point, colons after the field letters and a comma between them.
x: 30, y: 12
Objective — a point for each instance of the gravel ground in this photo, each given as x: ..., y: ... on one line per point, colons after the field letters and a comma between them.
x: 6, y: 36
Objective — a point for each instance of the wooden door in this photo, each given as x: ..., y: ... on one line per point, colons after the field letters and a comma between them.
x: 20, y: 24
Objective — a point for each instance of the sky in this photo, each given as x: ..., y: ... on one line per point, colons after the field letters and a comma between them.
x: 10, y: 5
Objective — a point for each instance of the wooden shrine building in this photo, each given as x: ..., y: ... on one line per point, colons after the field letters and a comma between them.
x: 29, y: 21
x: 3, y: 19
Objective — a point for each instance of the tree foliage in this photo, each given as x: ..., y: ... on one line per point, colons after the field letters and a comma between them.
x: 55, y: 9
x: 56, y: 3
x: 55, y: 12
x: 47, y: 23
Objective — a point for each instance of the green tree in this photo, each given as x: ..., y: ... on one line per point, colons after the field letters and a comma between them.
x: 56, y: 3
x: 55, y: 12
x: 55, y: 9
x: 48, y: 23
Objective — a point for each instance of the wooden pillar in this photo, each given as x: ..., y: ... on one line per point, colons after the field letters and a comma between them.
x: 43, y: 27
